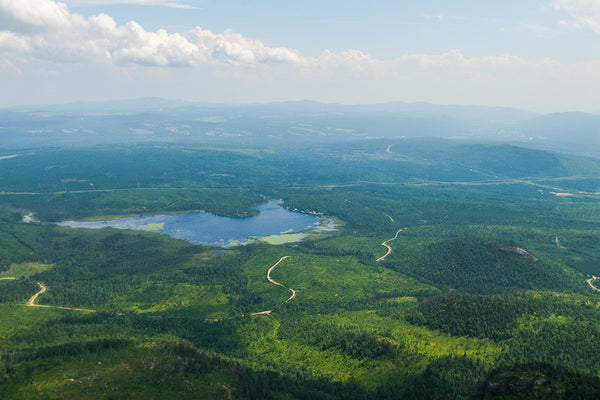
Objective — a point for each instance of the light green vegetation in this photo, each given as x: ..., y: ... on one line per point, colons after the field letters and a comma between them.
x: 283, y: 239
x: 108, y: 217
x: 157, y: 297
x: 150, y: 227
x: 26, y: 270
x: 17, y: 317
x: 324, y: 227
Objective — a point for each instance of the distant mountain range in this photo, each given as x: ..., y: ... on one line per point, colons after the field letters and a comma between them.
x: 154, y: 119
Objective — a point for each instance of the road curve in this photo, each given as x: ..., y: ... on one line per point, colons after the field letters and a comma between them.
x: 274, y: 282
x: 31, y: 302
x: 389, y: 248
x: 589, y: 281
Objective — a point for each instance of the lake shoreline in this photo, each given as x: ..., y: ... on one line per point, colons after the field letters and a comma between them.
x: 273, y: 224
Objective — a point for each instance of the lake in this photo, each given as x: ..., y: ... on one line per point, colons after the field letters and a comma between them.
x: 274, y: 224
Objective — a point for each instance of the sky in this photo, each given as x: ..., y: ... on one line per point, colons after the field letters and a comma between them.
x: 540, y: 55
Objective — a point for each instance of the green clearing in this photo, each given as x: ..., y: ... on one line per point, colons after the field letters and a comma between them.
x: 283, y: 238
x: 25, y: 270
x: 151, y: 227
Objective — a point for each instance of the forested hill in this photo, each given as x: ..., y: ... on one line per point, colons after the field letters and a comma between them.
x: 458, y: 270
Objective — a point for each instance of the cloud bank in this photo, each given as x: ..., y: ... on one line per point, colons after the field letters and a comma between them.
x: 49, y: 53
x: 47, y: 30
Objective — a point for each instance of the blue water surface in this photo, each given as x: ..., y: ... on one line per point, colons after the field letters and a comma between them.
x: 213, y: 230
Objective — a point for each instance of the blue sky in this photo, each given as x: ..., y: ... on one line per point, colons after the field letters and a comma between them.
x: 541, y: 55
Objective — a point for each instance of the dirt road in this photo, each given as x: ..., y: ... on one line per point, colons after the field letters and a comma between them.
x: 589, y: 281
x: 31, y: 302
x: 389, y: 248
x: 268, y: 312
x: 274, y: 282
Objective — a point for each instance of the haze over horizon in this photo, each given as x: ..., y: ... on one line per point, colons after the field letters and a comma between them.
x: 535, y: 55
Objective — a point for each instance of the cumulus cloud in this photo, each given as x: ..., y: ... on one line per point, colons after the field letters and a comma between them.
x: 585, y: 13
x: 33, y: 15
x: 11, y: 42
x: 46, y: 29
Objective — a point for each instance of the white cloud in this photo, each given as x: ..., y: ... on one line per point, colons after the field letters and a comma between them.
x: 452, y: 60
x: 11, y: 42
x: 350, y: 59
x: 28, y: 15
x: 49, y: 31
x: 47, y: 49
x: 233, y: 48
x: 586, y: 13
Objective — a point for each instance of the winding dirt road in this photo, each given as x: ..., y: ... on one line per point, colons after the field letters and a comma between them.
x: 274, y: 282
x: 31, y: 302
x: 389, y: 248
x: 589, y: 281
x: 7, y: 279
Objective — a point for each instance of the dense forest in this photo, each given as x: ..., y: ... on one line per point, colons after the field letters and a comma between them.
x: 457, y: 271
